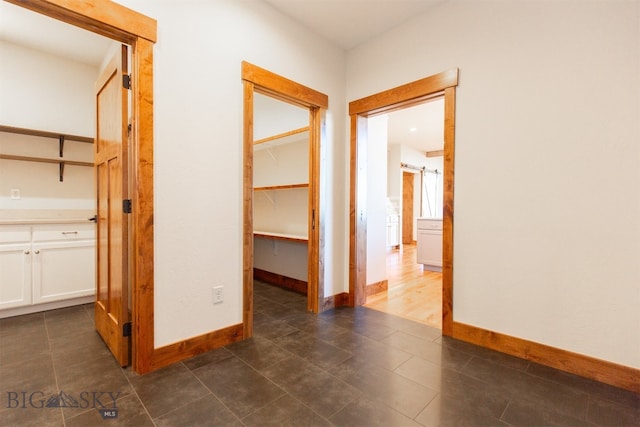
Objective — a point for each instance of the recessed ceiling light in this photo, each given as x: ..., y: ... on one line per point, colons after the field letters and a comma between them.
x: 413, y: 129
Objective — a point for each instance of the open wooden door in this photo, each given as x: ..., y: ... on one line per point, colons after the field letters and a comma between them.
x: 111, y: 160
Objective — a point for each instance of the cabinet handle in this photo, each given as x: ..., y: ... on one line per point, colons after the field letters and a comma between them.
x: 37, y: 251
x: 69, y: 232
x: 27, y: 252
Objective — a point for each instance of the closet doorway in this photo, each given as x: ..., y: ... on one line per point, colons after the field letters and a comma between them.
x: 439, y: 85
x: 281, y: 188
x: 139, y: 31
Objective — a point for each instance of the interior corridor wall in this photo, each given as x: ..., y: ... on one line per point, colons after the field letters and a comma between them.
x: 198, y: 151
x: 547, y: 162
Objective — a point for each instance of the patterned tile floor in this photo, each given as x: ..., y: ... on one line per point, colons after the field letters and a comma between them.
x: 345, y: 367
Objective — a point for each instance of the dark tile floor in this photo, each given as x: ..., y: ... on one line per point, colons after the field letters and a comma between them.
x: 344, y: 367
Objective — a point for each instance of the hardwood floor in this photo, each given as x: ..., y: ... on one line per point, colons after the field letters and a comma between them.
x: 413, y: 293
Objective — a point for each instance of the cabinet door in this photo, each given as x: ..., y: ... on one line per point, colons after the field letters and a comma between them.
x: 63, y: 270
x: 15, y: 275
x: 430, y: 247
x: 392, y: 234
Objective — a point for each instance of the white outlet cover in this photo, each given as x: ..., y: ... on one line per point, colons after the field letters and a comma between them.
x: 15, y: 194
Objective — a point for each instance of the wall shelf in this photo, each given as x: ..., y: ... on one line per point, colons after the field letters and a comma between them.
x: 281, y: 135
x: 281, y: 187
x: 46, y: 134
x: 281, y: 236
x: 61, y: 137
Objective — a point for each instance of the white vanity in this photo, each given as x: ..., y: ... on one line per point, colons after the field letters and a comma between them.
x: 430, y: 243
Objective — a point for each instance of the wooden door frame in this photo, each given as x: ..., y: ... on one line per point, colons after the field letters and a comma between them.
x: 404, y: 208
x: 256, y: 79
x: 400, y: 97
x: 139, y: 31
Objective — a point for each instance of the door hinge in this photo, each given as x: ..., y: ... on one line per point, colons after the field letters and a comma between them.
x: 313, y: 219
x: 126, y: 329
x: 126, y: 81
x: 126, y: 206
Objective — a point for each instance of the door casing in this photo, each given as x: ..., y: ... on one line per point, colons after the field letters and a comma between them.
x: 138, y: 31
x: 400, y: 97
x: 256, y: 79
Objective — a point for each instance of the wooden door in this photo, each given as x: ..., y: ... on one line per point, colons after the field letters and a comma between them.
x: 407, y: 207
x: 111, y: 146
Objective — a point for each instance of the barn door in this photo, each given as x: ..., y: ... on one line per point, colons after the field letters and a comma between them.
x: 111, y: 160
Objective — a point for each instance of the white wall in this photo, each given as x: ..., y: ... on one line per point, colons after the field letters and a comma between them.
x: 376, y: 199
x: 45, y: 92
x: 198, y: 150
x: 547, y: 180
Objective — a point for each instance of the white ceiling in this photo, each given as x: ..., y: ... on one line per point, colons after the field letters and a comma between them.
x: 33, y: 30
x: 345, y: 23
x: 420, y: 127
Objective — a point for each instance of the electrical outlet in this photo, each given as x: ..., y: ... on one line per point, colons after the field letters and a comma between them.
x: 15, y: 194
x: 217, y: 294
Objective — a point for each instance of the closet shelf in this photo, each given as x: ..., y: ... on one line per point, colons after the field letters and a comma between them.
x: 61, y: 137
x: 281, y: 187
x: 44, y: 160
x: 281, y: 135
x: 281, y: 236
x: 56, y: 135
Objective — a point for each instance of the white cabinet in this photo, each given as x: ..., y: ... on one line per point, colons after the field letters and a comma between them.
x: 15, y: 266
x: 46, y: 263
x: 429, y: 250
x: 393, y: 235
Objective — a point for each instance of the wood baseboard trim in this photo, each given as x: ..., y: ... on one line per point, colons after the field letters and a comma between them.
x: 585, y: 366
x: 376, y: 288
x: 190, y: 347
x: 335, y: 301
x: 280, y: 280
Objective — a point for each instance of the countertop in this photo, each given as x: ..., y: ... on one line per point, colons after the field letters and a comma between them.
x: 43, y: 216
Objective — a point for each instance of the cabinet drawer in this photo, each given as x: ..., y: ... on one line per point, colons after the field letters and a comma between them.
x: 14, y: 234
x: 64, y: 232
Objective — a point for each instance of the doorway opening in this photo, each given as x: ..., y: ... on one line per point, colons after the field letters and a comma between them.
x: 413, y: 157
x: 415, y: 93
x: 134, y: 29
x: 297, y: 227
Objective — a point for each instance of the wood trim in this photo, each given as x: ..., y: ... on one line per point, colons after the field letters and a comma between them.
x: 417, y: 90
x: 103, y: 17
x: 281, y: 135
x: 282, y: 88
x: 281, y: 187
x: 596, y: 369
x: 376, y: 288
x: 315, y: 263
x: 336, y: 301
x: 279, y: 280
x: 142, y: 159
x: 357, y: 214
x: 390, y: 100
x: 447, y: 209
x: 191, y: 347
x: 247, y: 208
x: 438, y: 153
x: 46, y: 134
